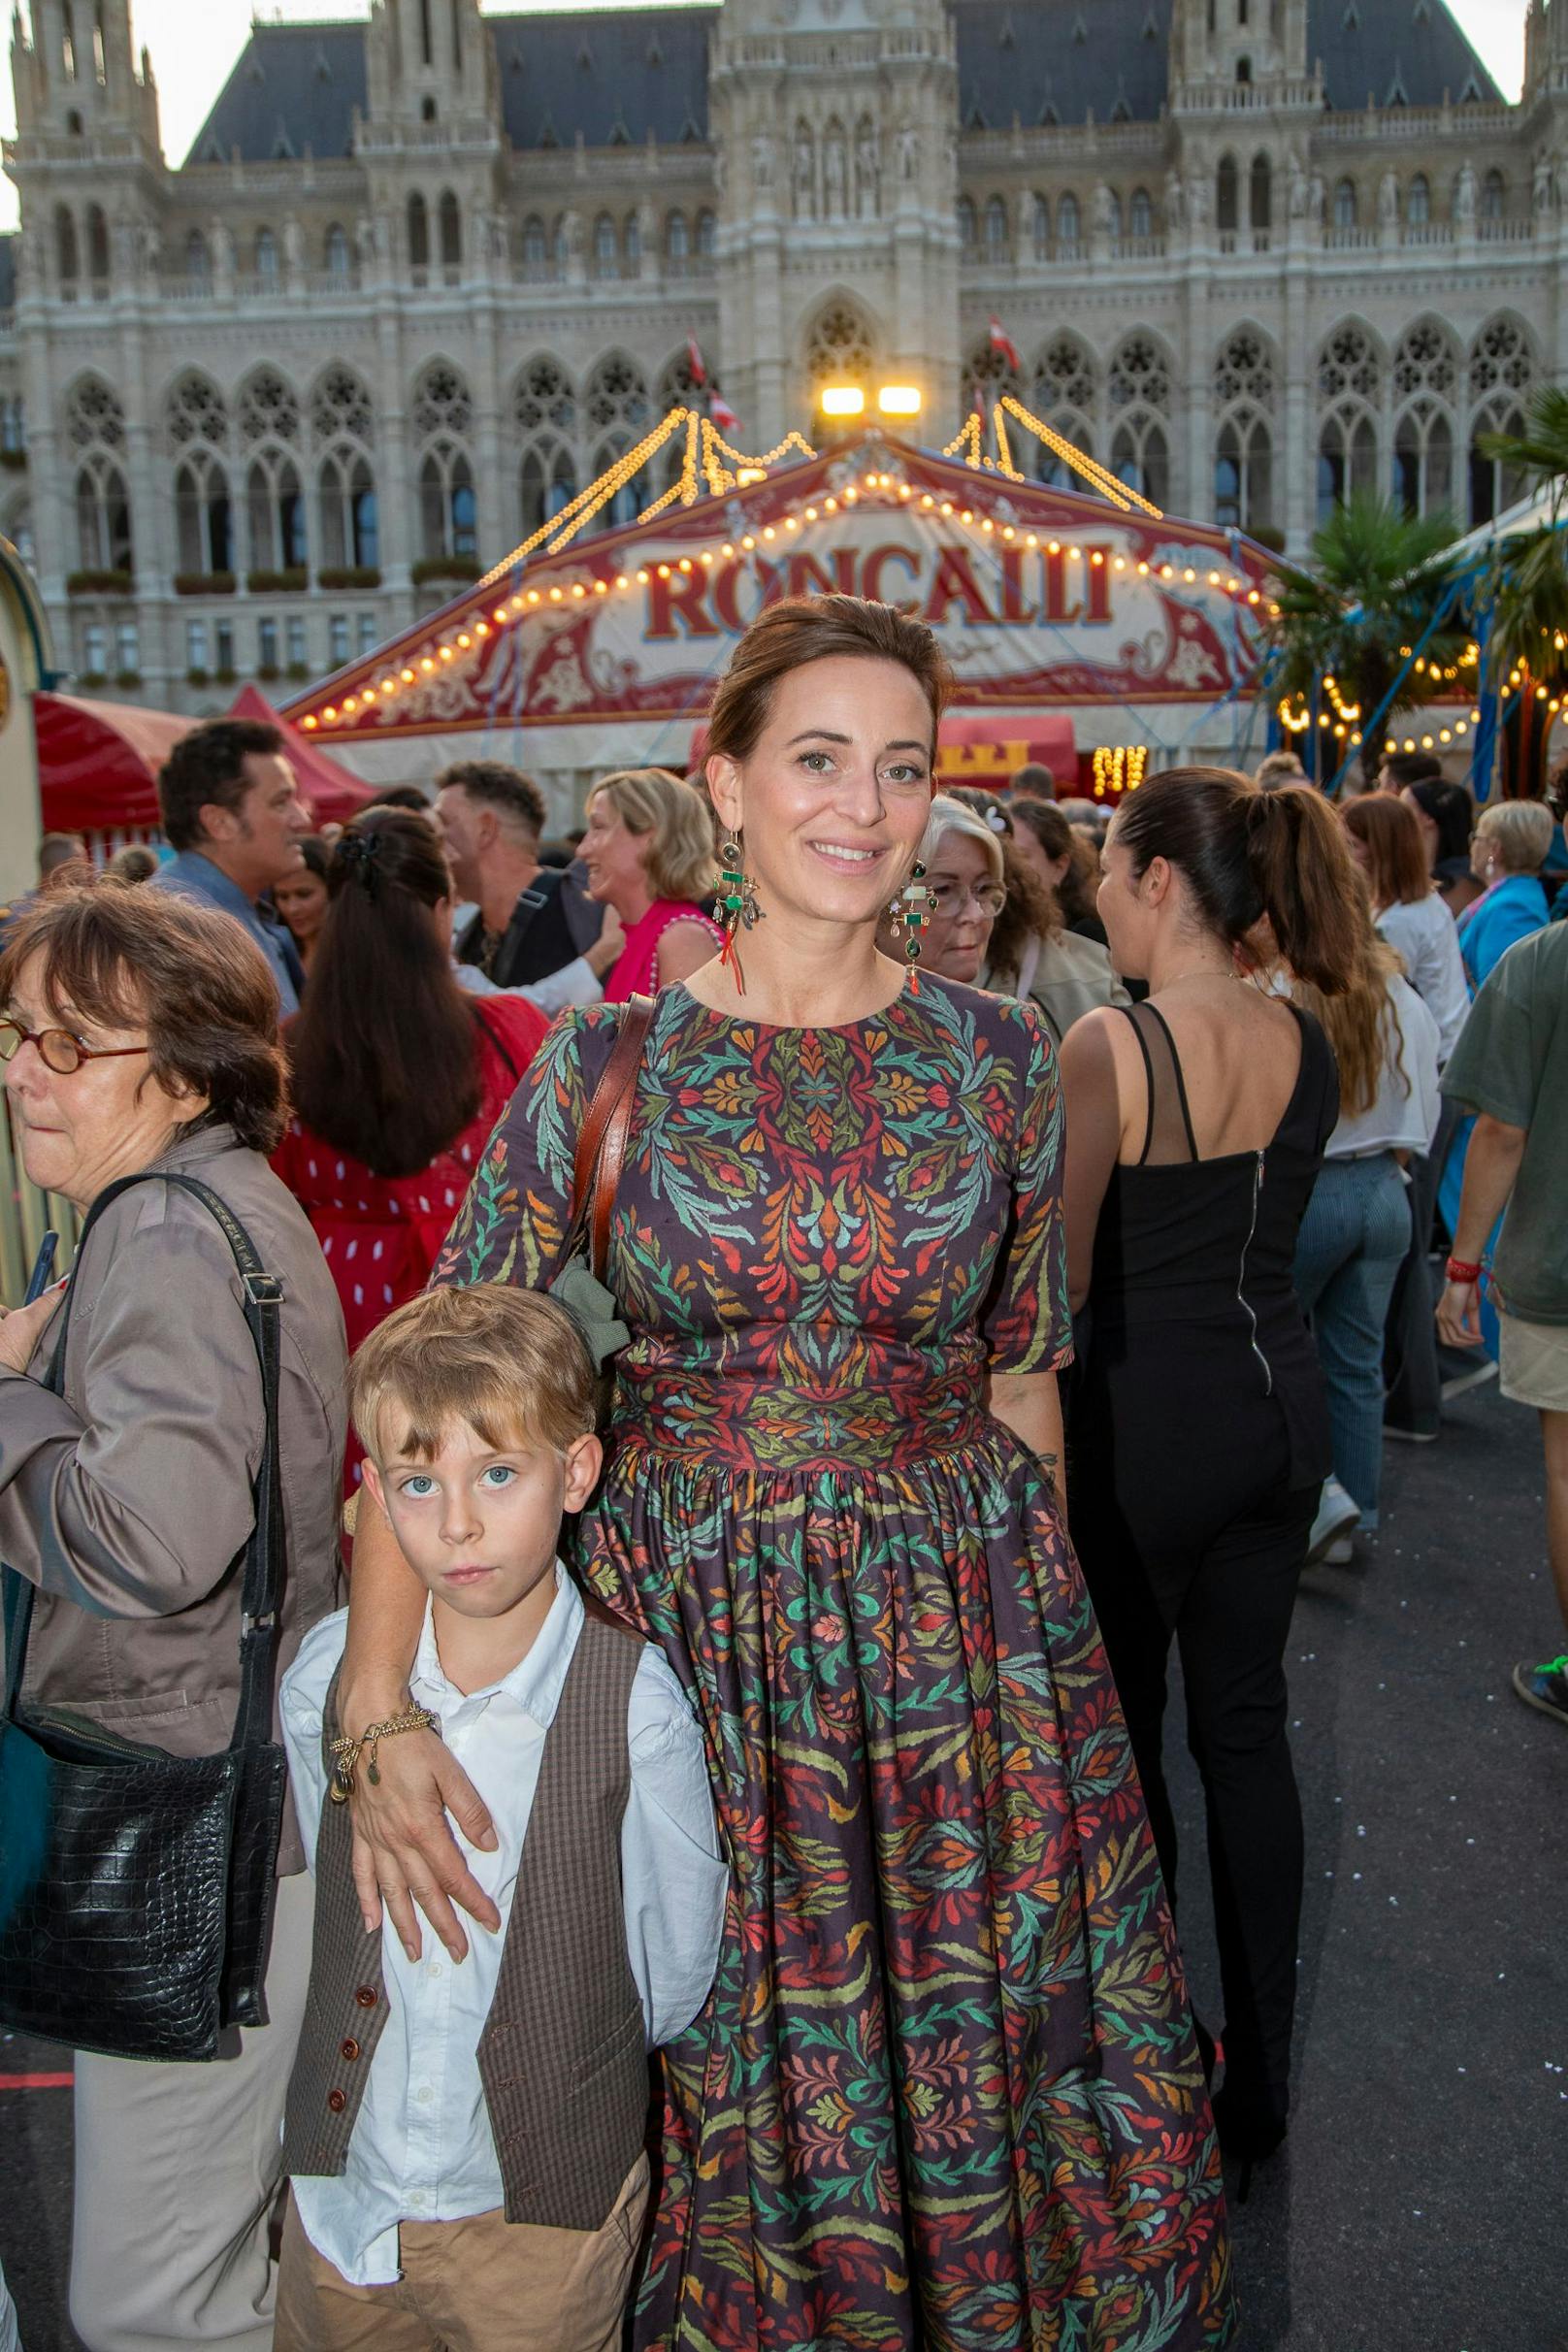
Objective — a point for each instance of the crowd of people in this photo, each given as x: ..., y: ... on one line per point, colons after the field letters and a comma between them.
x: 745, y: 1296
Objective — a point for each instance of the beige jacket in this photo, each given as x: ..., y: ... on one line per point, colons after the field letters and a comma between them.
x: 1067, y: 976
x: 126, y: 1499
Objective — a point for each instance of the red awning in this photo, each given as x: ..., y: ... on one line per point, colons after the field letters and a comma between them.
x: 98, y: 763
x: 984, y: 751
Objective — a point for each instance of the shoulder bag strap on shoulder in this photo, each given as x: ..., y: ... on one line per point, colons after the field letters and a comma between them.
x: 606, y: 1125
x: 262, y: 1590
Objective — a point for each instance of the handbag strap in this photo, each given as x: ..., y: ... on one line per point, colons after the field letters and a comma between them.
x: 262, y: 1590
x: 602, y: 1137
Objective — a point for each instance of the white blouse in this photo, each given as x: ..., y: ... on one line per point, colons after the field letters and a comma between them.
x: 1425, y: 936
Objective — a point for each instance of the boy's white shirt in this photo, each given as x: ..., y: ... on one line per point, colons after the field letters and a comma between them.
x: 422, y: 2149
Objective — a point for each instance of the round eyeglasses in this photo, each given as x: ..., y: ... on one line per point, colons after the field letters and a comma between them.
x: 989, y: 898
x: 58, y: 1049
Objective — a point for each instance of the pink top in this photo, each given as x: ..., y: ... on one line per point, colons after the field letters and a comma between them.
x: 637, y: 969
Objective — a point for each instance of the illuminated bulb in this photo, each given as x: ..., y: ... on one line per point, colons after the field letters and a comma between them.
x: 926, y: 500
x: 811, y: 512
x: 1190, y: 573
x: 482, y: 628
x: 464, y: 639
x: 749, y: 541
x: 532, y: 595
x: 1444, y: 735
x: 769, y: 532
x: 947, y: 506
x: 1214, y: 580
x: 1143, y: 570
x: 1030, y: 539
x: 307, y: 722
x: 445, y: 653
x: 850, y: 496
x: 789, y: 523
x: 331, y: 711
x: 555, y: 596
x: 643, y: 578
x: 621, y: 580
x: 663, y: 571
x: 685, y: 564
x: 1120, y: 563
x: 600, y: 587
x: 426, y: 663
x: 1055, y: 547
x: 389, y: 685
x: 577, y: 588
x: 407, y: 678
x: 726, y: 548
x: 1096, y: 557
x: 500, y: 614
x: 1008, y: 532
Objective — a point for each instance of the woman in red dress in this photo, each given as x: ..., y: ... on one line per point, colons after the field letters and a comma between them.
x: 648, y: 851
x: 398, y: 1076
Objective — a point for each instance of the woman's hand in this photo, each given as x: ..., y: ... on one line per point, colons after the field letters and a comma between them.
x: 22, y: 1327
x: 1458, y: 1315
x: 405, y: 1852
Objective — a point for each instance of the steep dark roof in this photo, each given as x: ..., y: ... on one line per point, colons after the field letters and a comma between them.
x: 614, y: 75
x: 1054, y: 60
x: 1396, y: 52
x: 293, y: 87
x: 617, y: 74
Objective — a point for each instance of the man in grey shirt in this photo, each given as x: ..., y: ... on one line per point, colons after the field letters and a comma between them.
x: 233, y: 814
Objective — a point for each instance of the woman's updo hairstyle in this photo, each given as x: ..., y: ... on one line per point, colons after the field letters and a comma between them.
x: 1246, y: 854
x: 787, y: 636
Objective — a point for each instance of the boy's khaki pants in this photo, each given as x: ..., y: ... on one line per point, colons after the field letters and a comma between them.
x: 483, y: 2285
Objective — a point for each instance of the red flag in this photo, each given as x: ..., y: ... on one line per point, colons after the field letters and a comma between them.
x: 1003, y: 344
x: 723, y: 415
x: 693, y: 362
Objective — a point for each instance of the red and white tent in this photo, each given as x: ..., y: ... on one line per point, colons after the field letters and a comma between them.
x: 1125, y: 626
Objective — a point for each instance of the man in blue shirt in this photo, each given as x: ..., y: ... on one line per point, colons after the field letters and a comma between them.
x: 233, y: 815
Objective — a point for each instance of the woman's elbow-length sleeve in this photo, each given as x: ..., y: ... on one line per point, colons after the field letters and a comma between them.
x: 515, y: 1223
x: 1028, y: 1327
x: 136, y: 1503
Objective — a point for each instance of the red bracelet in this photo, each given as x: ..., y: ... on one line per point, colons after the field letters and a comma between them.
x: 1456, y: 1270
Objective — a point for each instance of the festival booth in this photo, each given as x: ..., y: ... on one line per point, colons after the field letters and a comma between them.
x: 1085, y: 630
x: 98, y: 764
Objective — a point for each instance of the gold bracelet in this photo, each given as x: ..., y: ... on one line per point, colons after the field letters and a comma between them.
x: 347, y: 1751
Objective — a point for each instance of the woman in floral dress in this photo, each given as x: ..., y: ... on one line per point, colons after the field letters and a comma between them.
x: 944, y: 2096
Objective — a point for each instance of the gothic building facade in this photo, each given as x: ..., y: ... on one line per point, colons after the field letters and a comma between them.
x: 421, y: 279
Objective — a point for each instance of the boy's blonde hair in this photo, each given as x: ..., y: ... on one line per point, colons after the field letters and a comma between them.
x: 511, y: 1363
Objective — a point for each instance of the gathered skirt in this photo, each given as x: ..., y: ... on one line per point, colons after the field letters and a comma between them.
x: 944, y: 2096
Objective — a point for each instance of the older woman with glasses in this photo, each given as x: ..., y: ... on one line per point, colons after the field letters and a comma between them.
x: 139, y: 1036
x: 965, y: 880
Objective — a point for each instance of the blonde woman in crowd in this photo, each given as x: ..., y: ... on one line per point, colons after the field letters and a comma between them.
x: 648, y: 852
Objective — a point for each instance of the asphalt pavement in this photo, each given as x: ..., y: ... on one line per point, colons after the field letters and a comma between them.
x: 1419, y: 2205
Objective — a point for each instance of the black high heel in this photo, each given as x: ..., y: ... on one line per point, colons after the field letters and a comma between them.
x: 1251, y: 2125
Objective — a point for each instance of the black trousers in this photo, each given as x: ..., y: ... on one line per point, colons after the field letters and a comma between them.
x: 1224, y: 1593
x: 1411, y: 1371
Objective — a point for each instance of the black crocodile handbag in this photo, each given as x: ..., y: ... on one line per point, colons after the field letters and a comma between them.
x: 136, y: 1887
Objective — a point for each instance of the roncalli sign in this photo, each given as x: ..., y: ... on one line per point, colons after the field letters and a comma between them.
x: 1040, y: 597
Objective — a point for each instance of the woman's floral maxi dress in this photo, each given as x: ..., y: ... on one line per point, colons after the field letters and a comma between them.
x: 944, y: 2095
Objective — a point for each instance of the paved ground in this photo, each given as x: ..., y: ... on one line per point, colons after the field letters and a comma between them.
x: 1419, y: 2206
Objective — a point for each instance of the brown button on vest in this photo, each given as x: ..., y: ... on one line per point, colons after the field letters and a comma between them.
x: 562, y: 2056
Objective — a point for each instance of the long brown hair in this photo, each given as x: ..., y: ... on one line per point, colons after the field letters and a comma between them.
x: 1245, y: 854
x: 385, y: 1049
x: 1396, y: 853
x: 1359, y: 1018
x: 1060, y: 839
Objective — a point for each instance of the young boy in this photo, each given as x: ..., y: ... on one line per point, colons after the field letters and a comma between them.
x: 466, y: 2144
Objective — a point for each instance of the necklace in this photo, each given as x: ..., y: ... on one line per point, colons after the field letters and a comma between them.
x: 1198, y: 972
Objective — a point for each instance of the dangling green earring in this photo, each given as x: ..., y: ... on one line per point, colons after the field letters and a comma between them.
x: 910, y: 913
x: 738, y: 909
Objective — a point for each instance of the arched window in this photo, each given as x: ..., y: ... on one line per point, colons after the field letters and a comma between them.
x: 65, y: 248
x: 418, y: 232
x: 1140, y: 457
x: 707, y: 235
x: 341, y: 432
x: 1244, y: 71
x: 1501, y: 374
x: 198, y: 264
x: 1137, y: 391
x: 335, y: 252
x: 1069, y: 223
x: 1114, y: 218
x: 266, y: 260
x: 267, y: 418
x: 450, y: 221
x: 97, y: 248
x: 1350, y: 387
x: 1227, y: 197
x: 619, y: 413
x: 995, y: 229
x: 632, y: 242
x: 840, y: 349
x: 1493, y: 195
x: 95, y: 437
x: 1419, y: 204
x: 544, y: 411
x: 1425, y: 370
x: 607, y: 247
x: 203, y: 516
x: 1040, y: 226
x: 1244, y: 386
x: 1065, y: 394
x: 968, y: 227
x: 536, y: 249
x: 1143, y: 214
x: 1346, y: 204
x: 442, y: 413
x: 677, y: 244
x: 1263, y: 193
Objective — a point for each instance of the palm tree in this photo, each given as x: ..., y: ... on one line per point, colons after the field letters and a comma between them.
x: 1377, y: 579
x: 1527, y: 588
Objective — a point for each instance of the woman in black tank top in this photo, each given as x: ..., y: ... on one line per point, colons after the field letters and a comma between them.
x: 1199, y: 1439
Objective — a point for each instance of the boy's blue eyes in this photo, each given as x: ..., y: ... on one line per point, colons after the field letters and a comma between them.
x: 499, y: 1475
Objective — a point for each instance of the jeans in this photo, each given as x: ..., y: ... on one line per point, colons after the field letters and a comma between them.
x: 1352, y: 1239
x: 9, y: 2342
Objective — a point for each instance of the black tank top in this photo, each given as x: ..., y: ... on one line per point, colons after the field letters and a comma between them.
x: 1192, y: 1296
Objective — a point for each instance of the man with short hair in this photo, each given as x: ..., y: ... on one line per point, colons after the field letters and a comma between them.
x: 233, y: 815
x: 1402, y: 767
x: 1033, y: 782
x: 1511, y: 1068
x: 532, y: 920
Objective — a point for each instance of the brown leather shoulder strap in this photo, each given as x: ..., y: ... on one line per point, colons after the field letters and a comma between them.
x: 606, y: 1126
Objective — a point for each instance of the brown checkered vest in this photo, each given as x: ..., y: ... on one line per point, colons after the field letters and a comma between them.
x: 562, y: 2057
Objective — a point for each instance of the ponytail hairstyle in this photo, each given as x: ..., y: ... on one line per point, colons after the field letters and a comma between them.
x: 1362, y: 1020
x: 385, y: 1051
x: 1245, y: 855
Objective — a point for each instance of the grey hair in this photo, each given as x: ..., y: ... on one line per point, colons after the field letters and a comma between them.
x: 951, y: 816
